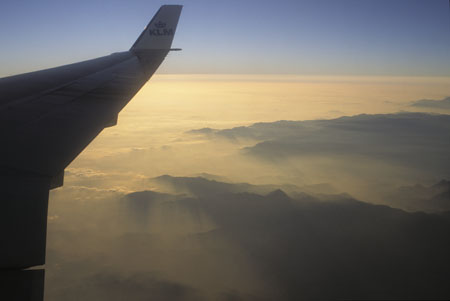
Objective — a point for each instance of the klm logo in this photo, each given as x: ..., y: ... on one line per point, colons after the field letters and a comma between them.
x: 160, y: 30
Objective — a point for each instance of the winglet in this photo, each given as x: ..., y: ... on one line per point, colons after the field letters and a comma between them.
x: 160, y: 31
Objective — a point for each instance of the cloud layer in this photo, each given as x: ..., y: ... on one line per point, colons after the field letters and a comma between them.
x: 270, y: 211
x: 443, y: 104
x: 376, y: 151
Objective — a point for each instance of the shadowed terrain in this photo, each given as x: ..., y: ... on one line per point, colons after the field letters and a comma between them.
x: 298, y: 246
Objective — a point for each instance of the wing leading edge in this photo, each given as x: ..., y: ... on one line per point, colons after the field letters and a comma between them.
x: 48, y: 117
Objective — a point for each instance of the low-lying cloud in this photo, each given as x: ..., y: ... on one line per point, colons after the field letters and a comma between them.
x: 443, y: 104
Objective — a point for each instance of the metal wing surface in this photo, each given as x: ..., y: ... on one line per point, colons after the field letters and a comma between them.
x: 48, y: 117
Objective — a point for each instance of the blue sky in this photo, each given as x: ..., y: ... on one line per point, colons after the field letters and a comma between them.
x: 351, y: 37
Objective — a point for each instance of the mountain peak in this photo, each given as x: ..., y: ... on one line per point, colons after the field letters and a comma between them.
x: 278, y: 195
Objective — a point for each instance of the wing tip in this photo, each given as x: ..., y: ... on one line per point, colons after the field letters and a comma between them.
x: 160, y: 31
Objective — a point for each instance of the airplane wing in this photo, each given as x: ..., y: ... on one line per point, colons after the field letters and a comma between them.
x: 48, y: 117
